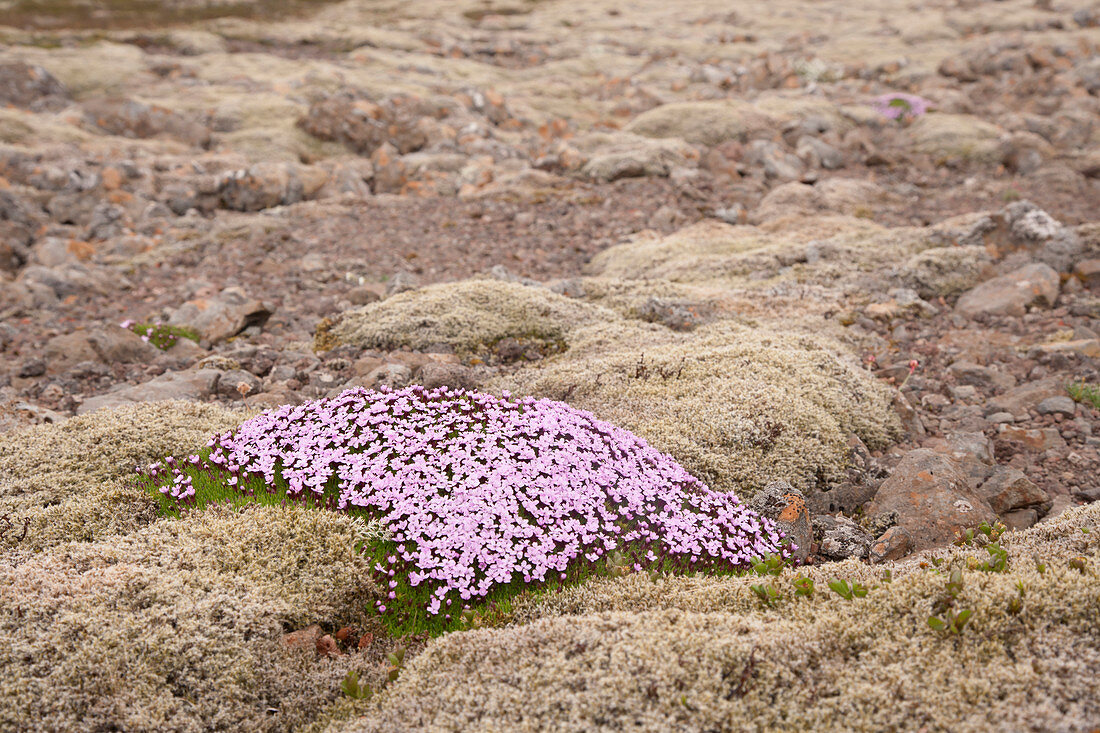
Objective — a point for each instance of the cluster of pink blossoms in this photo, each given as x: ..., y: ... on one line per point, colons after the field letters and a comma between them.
x: 477, y: 490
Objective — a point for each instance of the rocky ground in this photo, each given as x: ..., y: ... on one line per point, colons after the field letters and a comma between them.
x: 691, y: 219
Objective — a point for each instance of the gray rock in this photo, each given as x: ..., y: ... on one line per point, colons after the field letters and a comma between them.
x: 981, y: 376
x: 195, y: 384
x: 456, y: 376
x: 239, y: 384
x: 1059, y: 405
x: 30, y: 87
x: 394, y: 376
x: 402, y: 282
x: 845, y: 539
x: 222, y: 316
x: 1011, y: 295
x: 817, y: 153
x: 1044, y: 236
x: 786, y: 505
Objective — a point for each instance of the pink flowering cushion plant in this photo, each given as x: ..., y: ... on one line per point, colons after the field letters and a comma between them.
x: 480, y: 496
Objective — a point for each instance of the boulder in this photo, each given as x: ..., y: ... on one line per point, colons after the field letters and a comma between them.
x: 1008, y: 489
x: 934, y: 498
x: 223, y: 316
x: 1012, y: 294
x: 189, y: 385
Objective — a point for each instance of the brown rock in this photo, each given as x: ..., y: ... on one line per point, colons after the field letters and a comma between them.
x: 1088, y: 272
x: 892, y: 545
x: 1008, y: 489
x: 934, y: 498
x: 327, y: 647
x: 1012, y: 294
x: 1020, y: 519
x: 222, y: 316
x: 1037, y: 439
x: 306, y: 638
x: 1084, y: 347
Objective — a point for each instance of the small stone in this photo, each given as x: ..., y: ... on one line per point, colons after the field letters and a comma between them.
x: 1020, y: 519
x: 786, y: 505
x: 1057, y: 406
x: 1008, y: 489
x: 362, y: 295
x: 998, y: 418
x: 892, y: 545
x: 303, y: 638
x: 327, y: 647
x: 343, y: 633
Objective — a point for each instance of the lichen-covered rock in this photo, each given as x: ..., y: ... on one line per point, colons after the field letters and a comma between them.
x: 950, y: 138
x: 470, y: 316
x: 944, y: 271
x: 703, y: 654
x: 178, y: 626
x: 702, y: 123
x: 786, y: 506
x: 69, y: 481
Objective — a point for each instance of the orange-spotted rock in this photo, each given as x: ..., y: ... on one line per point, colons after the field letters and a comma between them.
x: 934, y: 496
x: 786, y: 505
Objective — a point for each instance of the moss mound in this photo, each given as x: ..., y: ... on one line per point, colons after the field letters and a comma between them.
x: 69, y: 481
x: 470, y: 316
x: 178, y: 627
x: 736, y: 406
x: 945, y: 271
x: 711, y: 658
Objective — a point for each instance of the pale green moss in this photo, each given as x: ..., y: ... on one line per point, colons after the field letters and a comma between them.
x: 686, y: 654
x: 469, y: 316
x: 70, y: 480
x: 737, y: 406
x: 178, y: 626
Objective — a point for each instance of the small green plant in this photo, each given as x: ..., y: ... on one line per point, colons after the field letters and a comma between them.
x: 846, y: 591
x: 355, y: 689
x: 998, y: 559
x: 990, y: 533
x: 767, y: 594
x: 160, y: 334
x: 803, y: 586
x: 770, y: 564
x: 396, y: 658
x: 1079, y: 564
x: 944, y: 616
x: 1017, y: 604
x: 1085, y: 393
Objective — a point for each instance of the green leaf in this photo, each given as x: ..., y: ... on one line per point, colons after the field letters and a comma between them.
x: 936, y: 623
x: 961, y: 619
